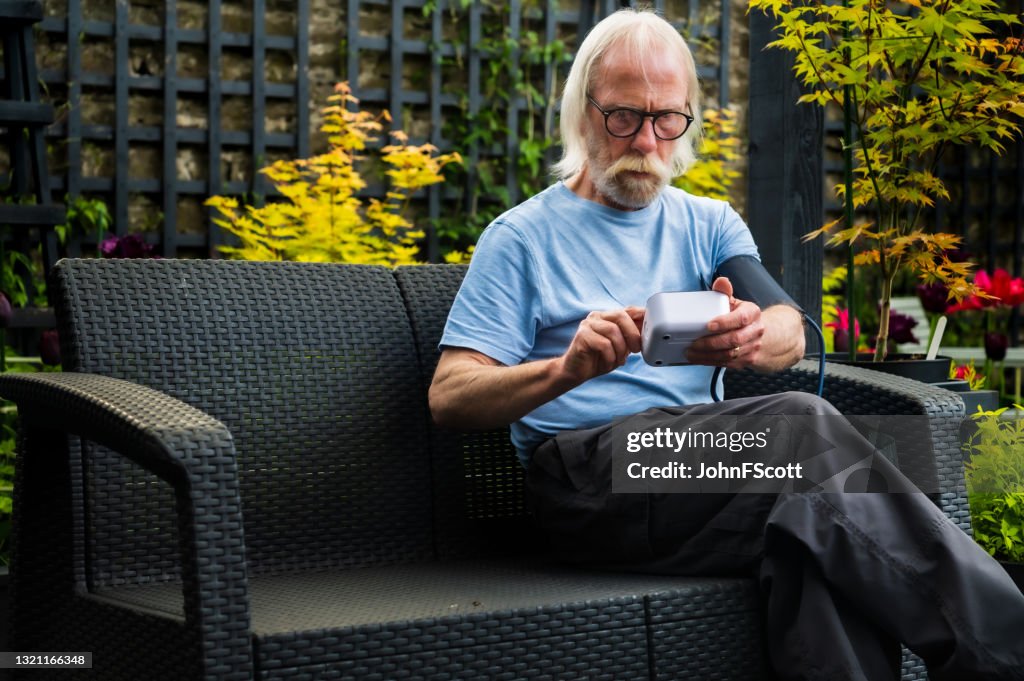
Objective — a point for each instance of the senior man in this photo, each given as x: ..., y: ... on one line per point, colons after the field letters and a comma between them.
x: 543, y: 335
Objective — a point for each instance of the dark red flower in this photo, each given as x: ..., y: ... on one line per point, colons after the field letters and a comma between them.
x: 49, y: 347
x: 5, y: 310
x: 934, y: 297
x: 995, y: 345
x: 958, y: 255
x: 900, y: 326
x: 133, y: 246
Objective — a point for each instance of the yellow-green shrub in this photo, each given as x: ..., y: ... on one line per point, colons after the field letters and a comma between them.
x: 321, y: 218
x: 715, y: 170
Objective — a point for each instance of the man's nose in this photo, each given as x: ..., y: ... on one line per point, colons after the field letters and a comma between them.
x: 645, y: 140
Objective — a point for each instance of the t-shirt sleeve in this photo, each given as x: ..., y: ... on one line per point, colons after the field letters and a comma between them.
x: 734, y: 238
x: 497, y: 310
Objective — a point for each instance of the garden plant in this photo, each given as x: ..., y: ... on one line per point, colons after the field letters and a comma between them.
x: 995, y: 483
x: 914, y: 78
x: 321, y: 217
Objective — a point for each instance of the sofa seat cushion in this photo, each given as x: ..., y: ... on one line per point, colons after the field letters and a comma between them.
x: 473, y: 619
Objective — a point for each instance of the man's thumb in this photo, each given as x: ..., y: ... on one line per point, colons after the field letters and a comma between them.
x: 722, y: 285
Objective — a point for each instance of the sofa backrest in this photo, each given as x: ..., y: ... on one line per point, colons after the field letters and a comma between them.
x: 314, y: 370
x: 479, y: 499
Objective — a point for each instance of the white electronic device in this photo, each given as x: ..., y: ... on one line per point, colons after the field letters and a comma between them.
x: 674, y: 320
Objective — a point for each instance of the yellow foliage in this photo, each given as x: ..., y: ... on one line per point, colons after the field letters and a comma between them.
x: 459, y: 257
x: 715, y: 170
x: 321, y: 218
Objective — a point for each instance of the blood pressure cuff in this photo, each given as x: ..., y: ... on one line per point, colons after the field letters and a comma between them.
x: 751, y: 281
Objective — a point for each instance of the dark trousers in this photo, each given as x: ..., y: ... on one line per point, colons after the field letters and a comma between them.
x: 845, y: 578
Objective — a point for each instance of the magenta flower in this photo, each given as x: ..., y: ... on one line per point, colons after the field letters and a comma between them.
x: 128, y: 246
x: 841, y: 330
x: 108, y: 247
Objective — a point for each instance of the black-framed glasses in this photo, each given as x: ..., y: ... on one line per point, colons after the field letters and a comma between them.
x: 626, y: 122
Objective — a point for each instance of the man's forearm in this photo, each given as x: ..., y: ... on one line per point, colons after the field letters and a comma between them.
x: 474, y: 394
x: 472, y: 390
x: 782, y: 344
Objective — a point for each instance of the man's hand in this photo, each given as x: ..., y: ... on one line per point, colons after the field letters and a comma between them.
x: 734, y: 339
x: 746, y: 336
x: 603, y: 342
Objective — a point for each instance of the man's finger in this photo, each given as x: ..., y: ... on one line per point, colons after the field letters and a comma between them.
x: 628, y: 325
x: 608, y: 330
x: 637, y: 314
x: 744, y: 314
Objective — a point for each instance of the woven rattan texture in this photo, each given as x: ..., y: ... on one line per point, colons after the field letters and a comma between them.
x: 180, y: 444
x: 708, y: 631
x: 299, y: 362
x: 487, y: 616
x: 861, y: 391
x: 912, y: 667
x: 125, y: 646
x: 315, y: 371
x: 478, y: 481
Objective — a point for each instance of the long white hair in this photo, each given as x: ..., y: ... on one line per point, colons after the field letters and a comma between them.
x: 641, y: 32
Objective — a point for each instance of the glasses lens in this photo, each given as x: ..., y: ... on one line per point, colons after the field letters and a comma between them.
x: 670, y: 125
x: 623, y: 122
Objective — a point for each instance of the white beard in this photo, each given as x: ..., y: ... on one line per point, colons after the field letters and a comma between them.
x: 615, y: 182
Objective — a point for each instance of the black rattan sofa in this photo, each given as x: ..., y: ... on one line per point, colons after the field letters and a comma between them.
x: 281, y: 507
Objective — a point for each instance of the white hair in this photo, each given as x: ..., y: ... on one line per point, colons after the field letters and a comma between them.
x: 641, y: 32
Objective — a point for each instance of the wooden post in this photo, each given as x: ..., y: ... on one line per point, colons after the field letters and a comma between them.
x: 784, y: 199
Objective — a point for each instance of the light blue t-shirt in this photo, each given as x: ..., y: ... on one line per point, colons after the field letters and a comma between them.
x: 542, y: 266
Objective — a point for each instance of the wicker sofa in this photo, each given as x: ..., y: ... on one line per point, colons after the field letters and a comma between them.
x: 253, y: 489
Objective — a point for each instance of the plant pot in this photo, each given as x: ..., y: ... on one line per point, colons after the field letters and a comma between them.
x: 1016, y: 572
x: 915, y: 367
x: 988, y: 400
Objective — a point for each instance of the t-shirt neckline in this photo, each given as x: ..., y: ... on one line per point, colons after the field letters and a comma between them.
x: 624, y: 217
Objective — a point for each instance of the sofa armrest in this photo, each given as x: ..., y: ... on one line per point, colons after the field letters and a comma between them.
x: 183, y: 446
x: 854, y: 390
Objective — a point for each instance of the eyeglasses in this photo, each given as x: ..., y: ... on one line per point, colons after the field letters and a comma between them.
x: 623, y: 122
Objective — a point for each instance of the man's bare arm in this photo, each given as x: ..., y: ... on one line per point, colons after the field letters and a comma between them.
x: 472, y: 390
x: 782, y: 344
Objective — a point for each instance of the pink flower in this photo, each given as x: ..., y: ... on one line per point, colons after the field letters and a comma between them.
x: 841, y: 330
x: 1009, y: 290
x: 1006, y: 291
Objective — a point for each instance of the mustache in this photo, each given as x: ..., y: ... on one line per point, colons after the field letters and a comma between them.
x: 639, y: 164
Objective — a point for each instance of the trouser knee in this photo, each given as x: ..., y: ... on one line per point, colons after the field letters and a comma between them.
x: 800, y: 403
